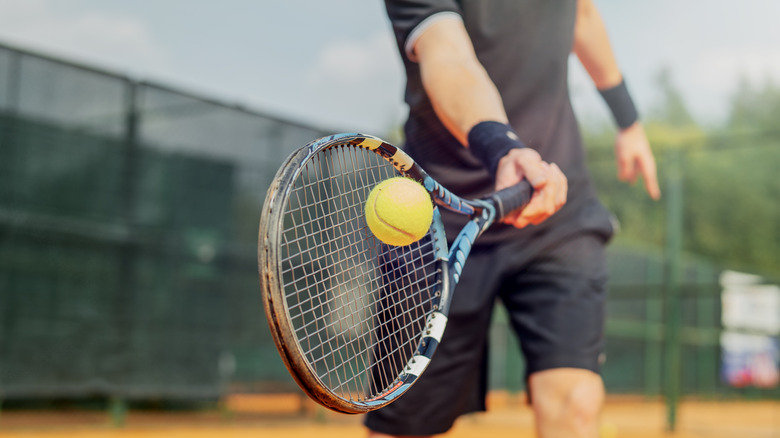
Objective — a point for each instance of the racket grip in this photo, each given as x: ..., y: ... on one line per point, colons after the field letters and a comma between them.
x: 512, y: 198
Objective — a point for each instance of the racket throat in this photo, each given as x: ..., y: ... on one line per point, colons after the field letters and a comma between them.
x: 461, y: 247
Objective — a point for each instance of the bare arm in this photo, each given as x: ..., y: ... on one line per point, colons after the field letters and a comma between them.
x: 463, y: 95
x: 592, y: 47
x: 458, y: 86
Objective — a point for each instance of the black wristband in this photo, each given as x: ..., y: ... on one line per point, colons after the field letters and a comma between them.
x: 620, y: 103
x: 490, y: 141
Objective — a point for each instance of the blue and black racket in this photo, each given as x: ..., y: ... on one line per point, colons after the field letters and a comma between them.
x: 355, y: 320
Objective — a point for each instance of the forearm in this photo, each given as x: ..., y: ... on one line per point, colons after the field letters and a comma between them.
x: 468, y: 103
x: 460, y: 90
x: 592, y: 47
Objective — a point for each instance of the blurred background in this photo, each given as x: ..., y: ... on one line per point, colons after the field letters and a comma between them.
x: 137, y: 140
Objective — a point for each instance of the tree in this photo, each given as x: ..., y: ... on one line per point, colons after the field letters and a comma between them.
x: 755, y: 108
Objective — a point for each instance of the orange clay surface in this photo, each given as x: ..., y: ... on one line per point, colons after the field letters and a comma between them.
x: 290, y: 416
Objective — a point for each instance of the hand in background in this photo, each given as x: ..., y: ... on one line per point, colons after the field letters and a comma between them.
x: 634, y: 158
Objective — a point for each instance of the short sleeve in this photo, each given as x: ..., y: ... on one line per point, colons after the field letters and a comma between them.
x: 411, y: 17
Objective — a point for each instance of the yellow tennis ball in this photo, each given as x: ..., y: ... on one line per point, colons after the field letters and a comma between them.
x: 399, y: 211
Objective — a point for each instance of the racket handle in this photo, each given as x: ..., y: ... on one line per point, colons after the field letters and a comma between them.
x: 512, y: 198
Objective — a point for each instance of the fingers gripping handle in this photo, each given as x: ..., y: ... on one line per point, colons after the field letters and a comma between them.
x: 512, y: 198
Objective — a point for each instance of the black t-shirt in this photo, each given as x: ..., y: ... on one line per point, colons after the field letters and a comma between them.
x: 524, y: 45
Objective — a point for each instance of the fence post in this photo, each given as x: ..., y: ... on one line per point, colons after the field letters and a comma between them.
x: 706, y: 355
x: 9, y: 144
x: 124, y: 298
x: 118, y: 411
x: 673, y: 269
x: 14, y: 91
x: 653, y: 319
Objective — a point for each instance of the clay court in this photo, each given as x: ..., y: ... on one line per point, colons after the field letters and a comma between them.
x: 291, y: 417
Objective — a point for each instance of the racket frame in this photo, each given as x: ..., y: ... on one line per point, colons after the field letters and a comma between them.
x: 450, y: 263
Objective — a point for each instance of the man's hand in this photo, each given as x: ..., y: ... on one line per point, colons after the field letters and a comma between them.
x: 634, y: 157
x: 549, y: 183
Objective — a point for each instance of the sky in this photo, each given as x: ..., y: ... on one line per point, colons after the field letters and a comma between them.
x: 334, y: 64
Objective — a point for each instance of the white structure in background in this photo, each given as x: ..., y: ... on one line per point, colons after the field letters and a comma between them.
x: 751, y: 322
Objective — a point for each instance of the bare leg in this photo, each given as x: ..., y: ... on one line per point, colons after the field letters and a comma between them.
x: 567, y: 402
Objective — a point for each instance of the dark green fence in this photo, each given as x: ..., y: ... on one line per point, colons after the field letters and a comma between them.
x: 128, y: 229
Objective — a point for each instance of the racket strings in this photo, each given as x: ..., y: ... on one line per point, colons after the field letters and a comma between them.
x: 403, y: 318
x: 359, y: 271
x: 357, y: 306
x: 400, y: 336
x: 409, y: 327
x: 307, y: 327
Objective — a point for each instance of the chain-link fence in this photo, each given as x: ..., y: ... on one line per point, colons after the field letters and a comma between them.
x: 128, y: 229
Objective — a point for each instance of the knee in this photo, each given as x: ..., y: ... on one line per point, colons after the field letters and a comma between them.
x: 584, y: 402
x: 568, y: 400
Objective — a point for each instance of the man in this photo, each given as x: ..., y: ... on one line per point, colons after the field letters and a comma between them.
x: 489, y: 105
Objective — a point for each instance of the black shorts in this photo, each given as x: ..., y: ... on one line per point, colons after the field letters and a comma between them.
x: 555, y: 298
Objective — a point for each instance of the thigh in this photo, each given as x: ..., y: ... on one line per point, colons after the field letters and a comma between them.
x: 556, y: 304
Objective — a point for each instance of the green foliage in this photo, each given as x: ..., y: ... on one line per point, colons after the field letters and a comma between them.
x: 731, y: 189
x: 672, y: 110
x: 756, y: 108
x: 732, y: 212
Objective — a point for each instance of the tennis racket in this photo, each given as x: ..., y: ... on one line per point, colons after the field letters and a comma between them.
x: 356, y: 321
